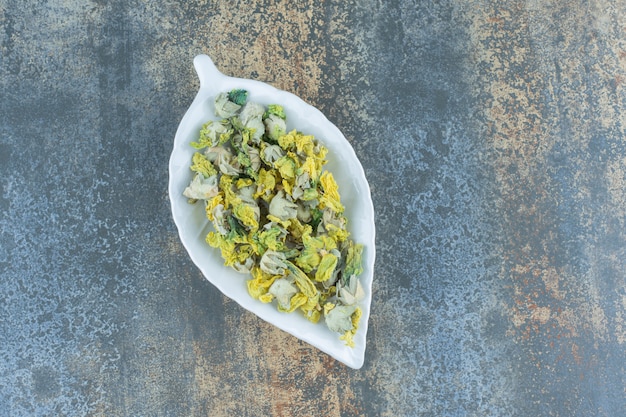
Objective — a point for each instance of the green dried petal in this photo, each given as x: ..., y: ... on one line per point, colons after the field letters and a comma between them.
x: 238, y: 96
x: 310, y: 194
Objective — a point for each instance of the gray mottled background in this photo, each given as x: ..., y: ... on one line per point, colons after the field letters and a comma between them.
x: 493, y: 137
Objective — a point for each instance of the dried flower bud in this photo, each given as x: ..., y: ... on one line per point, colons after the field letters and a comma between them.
x: 282, y: 207
x: 224, y: 107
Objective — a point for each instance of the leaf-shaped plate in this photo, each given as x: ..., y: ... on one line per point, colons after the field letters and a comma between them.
x: 193, y: 225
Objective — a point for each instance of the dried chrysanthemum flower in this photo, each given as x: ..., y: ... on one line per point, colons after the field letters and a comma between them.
x: 224, y: 107
x: 202, y: 188
x: 283, y: 289
x: 273, y: 262
x: 251, y: 117
x: 339, y: 318
x: 275, y: 127
x: 283, y: 207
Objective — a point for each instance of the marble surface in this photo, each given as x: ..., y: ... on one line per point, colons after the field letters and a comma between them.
x: 493, y: 137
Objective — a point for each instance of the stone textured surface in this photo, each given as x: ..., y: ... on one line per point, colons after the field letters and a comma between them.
x: 493, y: 136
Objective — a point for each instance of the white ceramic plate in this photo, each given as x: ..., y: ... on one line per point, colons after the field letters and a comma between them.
x: 342, y: 162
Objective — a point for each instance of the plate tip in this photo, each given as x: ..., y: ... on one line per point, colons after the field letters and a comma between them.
x: 357, y: 365
x: 206, y: 69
